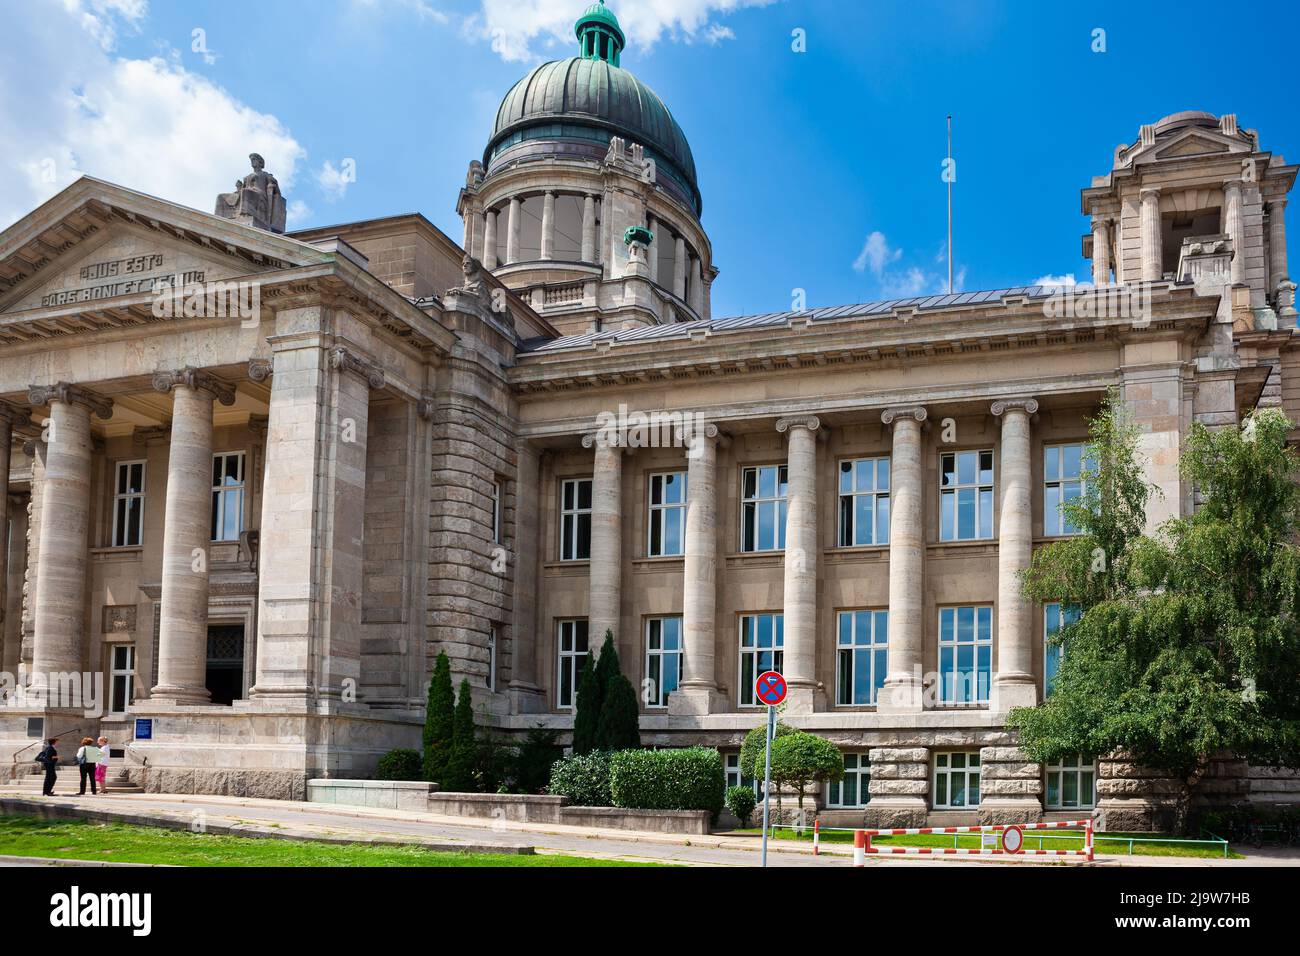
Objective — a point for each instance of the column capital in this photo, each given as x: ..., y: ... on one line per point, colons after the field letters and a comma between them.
x: 1028, y: 405
x: 195, y: 379
x: 917, y: 412
x: 1232, y: 185
x: 14, y: 415
x: 1277, y: 202
x: 152, y: 435
x: 259, y: 370
x: 342, y: 359
x: 605, y: 437
x: 425, y: 406
x: 68, y: 394
x: 810, y: 422
x: 1149, y: 192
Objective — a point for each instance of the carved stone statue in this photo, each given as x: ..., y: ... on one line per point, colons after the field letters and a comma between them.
x: 256, y: 201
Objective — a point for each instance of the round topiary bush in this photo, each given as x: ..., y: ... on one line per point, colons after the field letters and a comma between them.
x: 741, y: 801
x: 400, y: 765
x: 583, y: 779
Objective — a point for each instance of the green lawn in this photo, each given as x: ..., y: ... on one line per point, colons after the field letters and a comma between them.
x: 124, y: 843
x: 1058, y: 840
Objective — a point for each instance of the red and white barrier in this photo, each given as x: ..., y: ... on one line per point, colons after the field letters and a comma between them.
x: 817, y: 836
x: 1012, y: 844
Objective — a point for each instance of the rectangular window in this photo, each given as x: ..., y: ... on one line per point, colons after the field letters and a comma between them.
x: 853, y: 790
x: 762, y: 637
x: 496, y: 511
x: 1055, y: 617
x: 737, y: 779
x: 966, y: 495
x: 575, y: 520
x: 663, y: 658
x: 492, y: 656
x: 864, y: 502
x: 667, y: 514
x: 956, y: 779
x: 128, y: 505
x: 863, y: 643
x: 227, y: 495
x: 1063, y: 468
x: 572, y: 645
x: 121, y: 678
x: 763, y: 508
x: 965, y: 654
x: 1070, y: 783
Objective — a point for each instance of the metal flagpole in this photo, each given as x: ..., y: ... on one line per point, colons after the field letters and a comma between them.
x: 949, y: 178
x: 767, y: 774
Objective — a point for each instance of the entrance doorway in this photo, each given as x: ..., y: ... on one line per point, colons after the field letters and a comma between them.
x: 225, y: 675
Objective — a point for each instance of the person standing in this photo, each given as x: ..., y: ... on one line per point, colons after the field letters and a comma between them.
x: 101, y: 765
x: 49, y: 759
x: 87, y: 761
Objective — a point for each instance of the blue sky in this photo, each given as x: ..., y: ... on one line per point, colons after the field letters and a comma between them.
x: 810, y: 163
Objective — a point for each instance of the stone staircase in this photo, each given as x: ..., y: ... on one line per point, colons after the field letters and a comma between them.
x: 69, y: 782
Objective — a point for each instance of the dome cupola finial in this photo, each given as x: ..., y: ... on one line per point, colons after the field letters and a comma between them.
x: 599, y: 35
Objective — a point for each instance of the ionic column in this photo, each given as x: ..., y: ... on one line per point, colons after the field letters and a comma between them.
x: 903, y: 680
x: 1149, y: 224
x: 548, y: 225
x: 698, y: 692
x: 697, y: 287
x: 183, y: 615
x: 679, y: 269
x: 65, y: 522
x: 489, y: 239
x: 1277, y: 270
x: 512, y: 236
x: 800, y: 560
x: 606, y: 540
x: 1100, y: 252
x: 1236, y: 228
x: 589, y: 228
x: 1013, y: 682
x: 525, y: 695
x: 653, y: 252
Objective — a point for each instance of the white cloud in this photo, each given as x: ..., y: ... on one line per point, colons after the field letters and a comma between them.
x: 1050, y: 280
x: 334, y: 180
x: 516, y: 28
x: 148, y: 124
x: 421, y: 8
x: 876, y: 254
x: 878, y: 258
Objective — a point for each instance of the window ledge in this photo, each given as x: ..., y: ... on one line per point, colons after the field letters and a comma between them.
x: 126, y: 553
x: 658, y: 562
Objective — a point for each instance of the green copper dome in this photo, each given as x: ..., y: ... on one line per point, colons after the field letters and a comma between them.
x: 572, y: 107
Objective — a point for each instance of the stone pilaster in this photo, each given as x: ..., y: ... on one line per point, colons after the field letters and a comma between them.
x: 525, y: 695
x: 1100, y: 252
x: 679, y: 268
x: 1277, y: 265
x: 900, y: 785
x: 1013, y: 681
x: 548, y: 225
x: 36, y: 450
x: 698, y: 693
x: 606, y: 541
x: 653, y: 225
x: 1235, y: 226
x: 16, y: 570
x: 65, y: 523
x: 1011, y: 787
x: 904, y: 682
x: 589, y: 228
x: 8, y: 415
x: 696, y: 290
x: 800, y: 560
x: 183, y: 616
x: 489, y: 239
x: 513, y: 224
x: 1149, y: 224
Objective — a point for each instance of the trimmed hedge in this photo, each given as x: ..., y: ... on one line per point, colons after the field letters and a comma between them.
x: 692, y: 778
x: 400, y: 765
x: 584, y: 779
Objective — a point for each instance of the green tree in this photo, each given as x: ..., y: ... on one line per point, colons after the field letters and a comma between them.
x: 802, y: 760
x: 1189, y: 641
x: 459, y: 775
x: 438, y: 720
x: 586, y: 709
x: 619, y: 727
x: 533, y: 763
x: 753, y: 750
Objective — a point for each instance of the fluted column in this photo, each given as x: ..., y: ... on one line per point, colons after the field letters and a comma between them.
x: 65, y: 523
x: 183, y: 615
x: 1013, y: 681
x: 1100, y: 252
x: 679, y: 268
x: 696, y: 290
x: 698, y: 692
x: 1149, y: 224
x: 606, y: 540
x: 1277, y: 268
x: 8, y: 414
x: 589, y: 228
x: 490, y: 239
x: 525, y: 696
x: 548, y: 225
x: 800, y: 560
x: 652, y: 253
x: 1236, y: 228
x: 512, y: 236
x: 903, y: 680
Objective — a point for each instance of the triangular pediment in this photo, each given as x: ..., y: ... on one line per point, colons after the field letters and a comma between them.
x: 1191, y: 145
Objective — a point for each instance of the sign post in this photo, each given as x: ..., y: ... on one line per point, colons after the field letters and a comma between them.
x: 770, y: 689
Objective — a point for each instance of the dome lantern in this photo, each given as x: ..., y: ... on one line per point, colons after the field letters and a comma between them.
x: 599, y: 35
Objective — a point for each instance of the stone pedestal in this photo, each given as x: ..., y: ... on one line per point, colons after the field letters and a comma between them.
x: 1011, y: 787
x: 900, y: 787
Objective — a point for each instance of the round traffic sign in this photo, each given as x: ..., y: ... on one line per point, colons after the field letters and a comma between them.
x: 770, y: 688
x: 1013, y: 840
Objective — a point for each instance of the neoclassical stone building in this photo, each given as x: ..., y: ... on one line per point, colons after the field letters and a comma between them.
x: 257, y: 480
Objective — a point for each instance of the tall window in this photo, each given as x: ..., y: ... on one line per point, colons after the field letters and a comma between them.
x: 493, y: 631
x: 496, y: 511
x: 667, y: 514
x: 575, y: 520
x: 572, y: 646
x: 956, y: 779
x: 1063, y: 468
x: 128, y: 505
x: 227, y: 495
x: 853, y: 790
x: 965, y: 654
x: 737, y: 779
x: 763, y: 508
x: 762, y: 637
x: 862, y: 647
x: 663, y: 658
x: 1070, y: 783
x: 966, y: 495
x: 864, y: 502
x: 121, y: 678
x: 1055, y: 617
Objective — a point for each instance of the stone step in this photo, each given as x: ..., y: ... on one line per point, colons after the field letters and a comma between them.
x: 65, y: 784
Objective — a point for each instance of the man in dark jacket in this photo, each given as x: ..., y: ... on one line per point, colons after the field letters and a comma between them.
x: 49, y: 759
